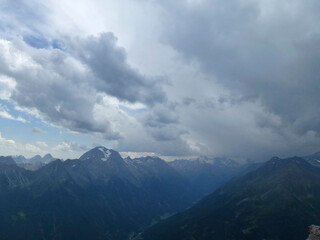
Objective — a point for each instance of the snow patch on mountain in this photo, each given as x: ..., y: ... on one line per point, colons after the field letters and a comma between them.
x: 106, y: 153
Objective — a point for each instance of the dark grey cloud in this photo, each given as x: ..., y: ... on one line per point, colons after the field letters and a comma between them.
x: 188, y: 101
x: 54, y: 85
x: 162, y: 122
x: 163, y: 145
x: 168, y: 133
x: 108, y: 62
x: 264, y: 51
x: 161, y: 116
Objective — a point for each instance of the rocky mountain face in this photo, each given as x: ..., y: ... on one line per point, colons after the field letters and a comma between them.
x: 99, y: 196
x: 32, y: 166
x: 11, y: 176
x: 314, y: 231
x: 277, y: 201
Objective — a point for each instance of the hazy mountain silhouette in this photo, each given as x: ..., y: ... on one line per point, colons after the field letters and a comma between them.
x: 277, y: 201
x: 99, y: 196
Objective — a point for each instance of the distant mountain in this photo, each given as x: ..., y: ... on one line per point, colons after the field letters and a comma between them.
x: 36, y: 159
x: 99, y: 196
x: 33, y: 163
x: 19, y: 159
x: 313, y: 159
x: 7, y: 161
x: 45, y: 159
x: 48, y: 158
x: 207, y: 174
x: 32, y: 166
x: 162, y: 181
x: 277, y: 201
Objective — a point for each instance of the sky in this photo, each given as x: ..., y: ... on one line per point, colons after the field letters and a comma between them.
x: 169, y: 78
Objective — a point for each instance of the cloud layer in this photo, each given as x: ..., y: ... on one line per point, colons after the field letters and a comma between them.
x: 264, y: 51
x: 191, y: 77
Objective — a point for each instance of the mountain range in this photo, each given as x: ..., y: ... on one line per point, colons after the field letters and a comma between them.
x: 35, y: 159
x: 104, y: 196
x: 33, y: 163
x: 277, y: 201
x: 207, y: 174
x: 98, y: 196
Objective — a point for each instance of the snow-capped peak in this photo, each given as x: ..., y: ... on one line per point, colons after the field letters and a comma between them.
x: 106, y: 153
x: 101, y: 153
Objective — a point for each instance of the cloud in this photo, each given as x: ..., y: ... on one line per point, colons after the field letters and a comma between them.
x: 204, y: 77
x: 161, y: 116
x: 53, y: 84
x: 64, y: 86
x: 6, y: 86
x: 11, y: 147
x: 115, y: 77
x: 5, y: 114
x: 30, y: 148
x: 42, y: 144
x: 37, y: 130
x: 63, y: 147
x: 264, y: 51
x: 21, y: 16
x: 67, y: 146
x: 83, y: 84
x: 6, y: 142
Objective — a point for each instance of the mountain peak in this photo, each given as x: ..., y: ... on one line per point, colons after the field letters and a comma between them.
x: 7, y: 161
x: 100, y: 153
x: 148, y: 159
x: 106, y: 152
x: 287, y: 161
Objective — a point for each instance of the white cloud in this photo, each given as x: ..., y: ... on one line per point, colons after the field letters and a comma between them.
x: 11, y: 147
x: 65, y: 147
x: 42, y: 144
x: 7, y: 85
x: 6, y: 142
x: 5, y: 114
x: 68, y: 149
x: 30, y: 148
